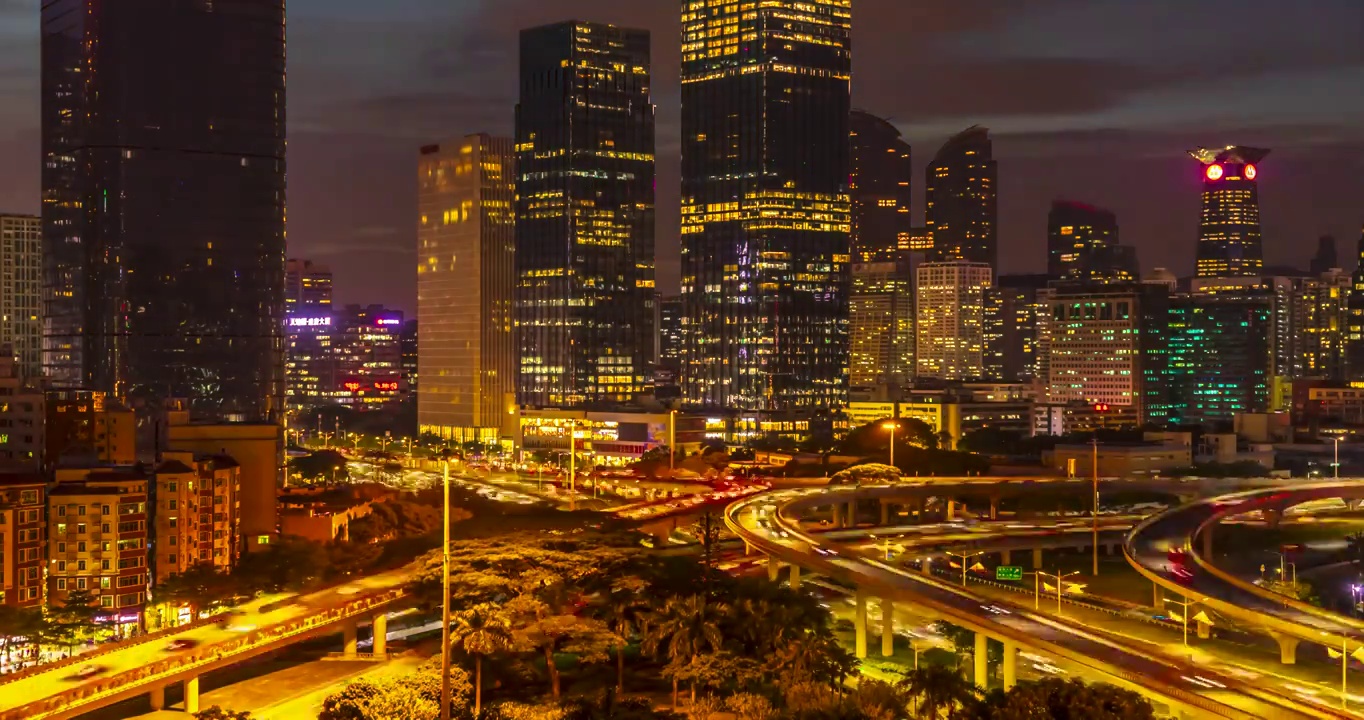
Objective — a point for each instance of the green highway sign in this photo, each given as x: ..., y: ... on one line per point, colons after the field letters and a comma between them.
x: 1009, y: 572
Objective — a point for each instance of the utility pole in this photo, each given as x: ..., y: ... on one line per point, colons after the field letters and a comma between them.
x: 445, y: 601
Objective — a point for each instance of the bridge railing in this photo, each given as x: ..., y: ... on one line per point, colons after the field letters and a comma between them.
x: 209, y: 655
x: 85, y: 657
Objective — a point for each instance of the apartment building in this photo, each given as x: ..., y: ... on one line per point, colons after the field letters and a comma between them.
x: 98, y: 538
x: 23, y: 531
x: 197, y: 515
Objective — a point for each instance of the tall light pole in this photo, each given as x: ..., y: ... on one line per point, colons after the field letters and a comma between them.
x: 890, y: 425
x: 1336, y: 465
x: 1185, y: 616
x: 1058, y: 577
x: 672, y: 440
x: 1096, y: 504
x: 445, y: 599
x: 964, y: 557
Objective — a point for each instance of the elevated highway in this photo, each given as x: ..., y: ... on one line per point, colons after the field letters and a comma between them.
x: 768, y: 523
x: 1191, y: 528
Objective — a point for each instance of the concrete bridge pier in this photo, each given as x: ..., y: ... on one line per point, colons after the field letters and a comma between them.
x: 982, y: 661
x: 860, y: 625
x: 795, y: 577
x: 1006, y: 557
x: 950, y: 510
x: 1288, y: 647
x: 1351, y: 504
x: 885, y: 513
x: 837, y: 520
x: 887, y: 627
x: 158, y: 697
x: 1010, y: 665
x: 994, y: 507
x: 852, y: 513
x: 1206, y: 536
x: 1204, y: 630
x: 1036, y: 558
x: 381, y: 635
x: 192, y: 695
x: 773, y: 568
x: 1273, y: 516
x: 350, y: 635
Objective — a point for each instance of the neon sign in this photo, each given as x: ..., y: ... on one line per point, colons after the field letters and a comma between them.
x: 1214, y: 172
x: 310, y: 322
x: 390, y: 386
x: 351, y: 386
x: 1251, y: 172
x: 388, y: 321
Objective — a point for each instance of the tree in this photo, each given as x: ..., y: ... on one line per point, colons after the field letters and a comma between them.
x: 217, y: 713
x: 685, y: 628
x: 75, y: 617
x: 481, y: 631
x: 623, y: 612
x: 608, y: 705
x: 287, y: 564
x: 413, y: 697
x: 934, y: 689
x: 874, y: 438
x: 200, y: 587
x: 321, y: 466
x: 550, y: 628
x: 1056, y: 699
x: 868, y: 474
x: 812, y: 657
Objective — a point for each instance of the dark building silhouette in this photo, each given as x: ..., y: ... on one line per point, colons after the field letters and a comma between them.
x: 1082, y: 245
x: 670, y: 332
x: 879, y: 189
x: 1354, y: 337
x: 961, y: 210
x: 1229, y: 231
x: 163, y: 200
x: 765, y: 209
x: 1013, y: 308
x: 1326, y: 257
x: 584, y: 216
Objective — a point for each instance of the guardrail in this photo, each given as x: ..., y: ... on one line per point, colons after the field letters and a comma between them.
x: 129, y: 680
x: 85, y: 657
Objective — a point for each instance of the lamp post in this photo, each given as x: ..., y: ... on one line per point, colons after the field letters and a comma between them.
x: 445, y: 598
x: 890, y: 425
x: 964, y: 557
x: 1335, y: 466
x: 1058, y: 577
x: 1345, y: 656
x: 1096, y: 505
x: 1184, y: 617
x: 672, y: 440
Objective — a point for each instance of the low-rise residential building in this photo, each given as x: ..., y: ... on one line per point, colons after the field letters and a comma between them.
x: 98, y: 538
x: 23, y: 539
x: 90, y: 426
x: 197, y: 515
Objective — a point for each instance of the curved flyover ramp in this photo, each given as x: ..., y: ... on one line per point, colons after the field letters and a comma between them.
x: 1189, y: 526
x: 765, y: 522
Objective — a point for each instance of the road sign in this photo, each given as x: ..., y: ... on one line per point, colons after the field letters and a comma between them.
x: 1009, y: 572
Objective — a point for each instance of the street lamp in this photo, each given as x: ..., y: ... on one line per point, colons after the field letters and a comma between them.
x: 1037, y: 587
x: 1096, y: 504
x: 1184, y: 618
x: 1335, y: 466
x: 672, y: 440
x: 445, y: 599
x: 890, y: 425
x: 964, y: 557
x: 1344, y: 654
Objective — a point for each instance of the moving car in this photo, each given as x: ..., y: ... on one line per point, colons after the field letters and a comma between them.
x: 86, y: 672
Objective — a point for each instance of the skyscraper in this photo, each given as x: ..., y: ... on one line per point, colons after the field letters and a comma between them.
x: 1354, y: 335
x: 961, y: 201
x: 1082, y: 245
x: 670, y: 332
x: 163, y: 200
x: 1229, y: 231
x: 466, y: 286
x: 1221, y: 355
x: 879, y: 189
x: 307, y: 286
x: 765, y: 209
x: 1013, y: 308
x: 1325, y: 259
x: 584, y: 216
x: 950, y: 320
x: 881, y: 324
x: 21, y: 322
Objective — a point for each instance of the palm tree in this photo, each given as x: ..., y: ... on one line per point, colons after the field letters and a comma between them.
x: 623, y: 612
x: 687, y: 626
x: 936, y: 689
x: 480, y: 631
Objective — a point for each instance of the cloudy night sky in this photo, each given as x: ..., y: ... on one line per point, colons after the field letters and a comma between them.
x: 1092, y: 100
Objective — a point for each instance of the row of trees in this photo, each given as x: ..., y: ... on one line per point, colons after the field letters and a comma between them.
x: 30, y: 629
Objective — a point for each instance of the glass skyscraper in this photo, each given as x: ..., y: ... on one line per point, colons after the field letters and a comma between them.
x: 163, y: 201
x: 1229, y: 231
x: 961, y: 206
x: 879, y: 189
x: 765, y: 207
x: 584, y: 216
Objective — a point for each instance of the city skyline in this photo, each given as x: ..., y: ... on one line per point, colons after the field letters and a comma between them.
x: 1137, y: 101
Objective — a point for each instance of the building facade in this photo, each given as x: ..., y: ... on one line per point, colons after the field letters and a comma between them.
x: 950, y: 319
x: 1229, y: 229
x: 670, y: 333
x: 163, y: 201
x: 197, y: 514
x: 23, y: 411
x: 584, y: 216
x: 1082, y: 245
x: 98, y: 538
x: 1013, y: 308
x: 88, y: 425
x: 961, y: 192
x: 23, y: 540
x: 765, y: 208
x: 881, y: 324
x: 879, y: 189
x: 307, y: 286
x: 466, y: 287
x: 1221, y: 355
x: 1354, y: 323
x: 21, y: 296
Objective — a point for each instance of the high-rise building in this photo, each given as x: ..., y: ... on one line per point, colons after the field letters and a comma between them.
x: 407, y: 344
x: 21, y: 297
x: 1082, y: 245
x: 307, y: 286
x: 1326, y: 258
x: 765, y: 209
x: 1354, y: 339
x: 196, y: 515
x: 466, y: 287
x: 950, y: 320
x: 879, y: 189
x: 1320, y: 331
x: 163, y: 201
x: 960, y: 188
x: 584, y: 216
x: 881, y: 324
x: 22, y: 414
x: 1013, y: 308
x: 368, y: 357
x: 1108, y: 347
x: 670, y: 333
x: 1221, y: 354
x: 86, y: 426
x: 98, y: 538
x: 1229, y: 232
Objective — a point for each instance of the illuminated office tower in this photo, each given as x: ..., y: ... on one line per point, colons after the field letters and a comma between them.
x: 879, y: 189
x: 307, y: 286
x: 163, y: 201
x: 765, y: 209
x: 1013, y: 308
x: 670, y: 332
x: 1082, y: 245
x: 881, y: 324
x: 1221, y: 355
x: 950, y: 320
x: 466, y: 286
x: 21, y: 299
x: 961, y: 201
x: 1354, y: 339
x: 1229, y: 231
x: 584, y: 216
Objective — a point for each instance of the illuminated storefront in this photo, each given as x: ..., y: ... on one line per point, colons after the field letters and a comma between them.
x: 611, y: 438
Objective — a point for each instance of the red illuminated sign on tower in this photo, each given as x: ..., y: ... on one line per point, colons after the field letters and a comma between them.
x: 1214, y: 172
